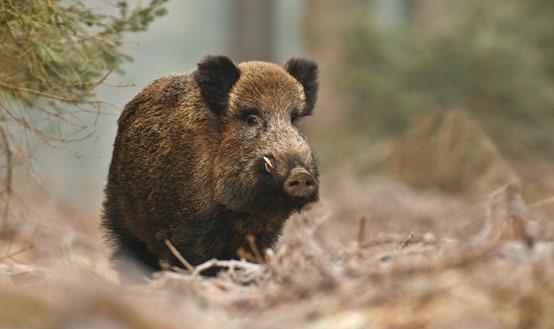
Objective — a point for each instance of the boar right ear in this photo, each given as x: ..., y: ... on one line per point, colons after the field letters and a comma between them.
x: 305, y: 71
x: 215, y: 76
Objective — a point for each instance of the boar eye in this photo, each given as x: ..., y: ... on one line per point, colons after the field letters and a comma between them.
x: 252, y: 119
x: 251, y: 116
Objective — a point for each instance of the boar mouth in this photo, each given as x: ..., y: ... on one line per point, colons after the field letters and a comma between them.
x: 277, y: 193
x: 273, y: 187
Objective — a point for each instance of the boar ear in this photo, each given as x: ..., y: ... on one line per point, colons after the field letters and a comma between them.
x: 305, y: 71
x: 215, y: 76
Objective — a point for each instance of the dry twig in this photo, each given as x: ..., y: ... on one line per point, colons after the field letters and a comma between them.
x: 178, y: 255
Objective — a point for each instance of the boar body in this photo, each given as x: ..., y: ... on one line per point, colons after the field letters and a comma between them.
x: 205, y: 159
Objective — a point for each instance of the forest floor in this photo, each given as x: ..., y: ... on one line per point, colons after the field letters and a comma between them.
x: 373, y: 254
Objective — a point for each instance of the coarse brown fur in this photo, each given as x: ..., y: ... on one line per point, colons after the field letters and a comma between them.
x: 187, y: 162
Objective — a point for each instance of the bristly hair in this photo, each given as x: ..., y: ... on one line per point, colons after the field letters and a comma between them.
x: 215, y: 77
x: 306, y: 72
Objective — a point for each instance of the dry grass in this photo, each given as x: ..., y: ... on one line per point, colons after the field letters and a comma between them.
x: 374, y: 254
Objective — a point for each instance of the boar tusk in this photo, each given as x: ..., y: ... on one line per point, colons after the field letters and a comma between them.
x: 268, y: 165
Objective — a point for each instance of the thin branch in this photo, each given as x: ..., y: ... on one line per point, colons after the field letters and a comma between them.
x: 17, y: 252
x: 361, y: 230
x: 252, y: 244
x: 542, y: 202
x: 9, y: 176
x: 230, y: 264
x: 405, y: 243
x: 178, y: 255
x: 71, y: 100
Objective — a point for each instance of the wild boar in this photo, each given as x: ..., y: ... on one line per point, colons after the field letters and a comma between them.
x: 205, y: 159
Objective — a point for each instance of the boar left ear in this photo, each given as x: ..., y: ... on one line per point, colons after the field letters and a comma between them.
x: 306, y: 72
x: 215, y: 77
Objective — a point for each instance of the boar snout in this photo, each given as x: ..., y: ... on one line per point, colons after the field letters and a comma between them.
x: 300, y: 183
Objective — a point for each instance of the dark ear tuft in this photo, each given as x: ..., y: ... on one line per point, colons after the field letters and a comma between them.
x: 305, y: 71
x: 215, y: 76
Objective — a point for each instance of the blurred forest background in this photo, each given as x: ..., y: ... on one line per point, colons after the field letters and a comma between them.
x: 435, y: 129
x: 456, y: 98
x: 452, y: 96
x: 464, y: 90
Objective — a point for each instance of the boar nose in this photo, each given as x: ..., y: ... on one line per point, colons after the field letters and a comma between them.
x: 300, y: 183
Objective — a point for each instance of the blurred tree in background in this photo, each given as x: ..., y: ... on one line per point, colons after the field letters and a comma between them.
x: 491, y: 59
x: 494, y: 59
x: 52, y: 56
